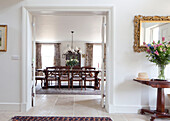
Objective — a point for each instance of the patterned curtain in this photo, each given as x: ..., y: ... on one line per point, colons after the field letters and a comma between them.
x: 38, y: 56
x: 57, y: 61
x: 89, y: 54
x: 104, y: 56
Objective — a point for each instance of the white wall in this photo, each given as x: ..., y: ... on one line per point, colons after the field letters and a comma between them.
x: 129, y: 95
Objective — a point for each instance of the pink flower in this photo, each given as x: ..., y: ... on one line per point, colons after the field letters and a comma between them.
x: 155, y: 46
x: 153, y: 42
x: 159, y: 44
x: 164, y: 50
x: 156, y: 52
x: 144, y: 43
x: 148, y: 50
x: 161, y: 49
x: 163, y: 39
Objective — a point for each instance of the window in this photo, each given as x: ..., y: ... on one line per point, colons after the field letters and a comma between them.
x: 97, y: 56
x: 155, y: 34
x: 47, y: 55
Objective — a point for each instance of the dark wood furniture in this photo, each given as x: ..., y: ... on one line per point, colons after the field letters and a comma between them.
x: 76, y: 75
x: 39, y: 77
x: 51, y: 75
x: 64, y: 75
x: 77, y: 56
x: 160, y: 111
x: 61, y: 70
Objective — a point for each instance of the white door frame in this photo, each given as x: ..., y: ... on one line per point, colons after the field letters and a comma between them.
x: 110, y: 93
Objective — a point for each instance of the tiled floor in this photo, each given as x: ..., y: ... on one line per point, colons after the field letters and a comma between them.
x: 72, y: 105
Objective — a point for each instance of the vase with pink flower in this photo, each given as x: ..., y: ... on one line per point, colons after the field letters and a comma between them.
x: 159, y: 53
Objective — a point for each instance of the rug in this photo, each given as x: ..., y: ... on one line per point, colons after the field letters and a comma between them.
x: 66, y: 91
x: 42, y: 118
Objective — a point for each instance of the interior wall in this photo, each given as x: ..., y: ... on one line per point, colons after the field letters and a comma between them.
x: 127, y: 63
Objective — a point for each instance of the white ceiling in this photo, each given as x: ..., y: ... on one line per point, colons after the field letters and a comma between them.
x: 56, y: 28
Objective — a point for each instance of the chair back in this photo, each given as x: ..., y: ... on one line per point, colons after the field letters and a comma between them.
x: 64, y: 73
x: 76, y: 67
x: 51, y: 73
x: 88, y: 68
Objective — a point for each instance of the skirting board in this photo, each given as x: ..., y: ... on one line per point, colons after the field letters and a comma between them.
x: 12, y: 107
x: 128, y: 109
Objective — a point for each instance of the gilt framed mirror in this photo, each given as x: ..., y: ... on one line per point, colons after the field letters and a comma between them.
x: 149, y: 28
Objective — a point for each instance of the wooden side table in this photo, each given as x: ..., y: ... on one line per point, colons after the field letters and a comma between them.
x: 160, y: 111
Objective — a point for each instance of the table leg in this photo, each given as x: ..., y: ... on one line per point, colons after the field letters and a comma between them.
x: 160, y: 100
x: 160, y: 111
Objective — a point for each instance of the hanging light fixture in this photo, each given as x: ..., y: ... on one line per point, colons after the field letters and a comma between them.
x: 72, y: 50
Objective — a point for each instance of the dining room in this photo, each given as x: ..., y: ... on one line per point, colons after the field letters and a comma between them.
x: 69, y: 54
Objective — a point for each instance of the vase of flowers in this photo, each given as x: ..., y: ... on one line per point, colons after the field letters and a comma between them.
x: 159, y: 53
x: 71, y: 62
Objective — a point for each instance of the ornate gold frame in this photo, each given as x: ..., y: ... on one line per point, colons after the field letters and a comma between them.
x: 5, y: 39
x: 137, y: 24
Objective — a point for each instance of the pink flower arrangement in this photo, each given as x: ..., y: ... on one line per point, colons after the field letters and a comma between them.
x: 158, y: 53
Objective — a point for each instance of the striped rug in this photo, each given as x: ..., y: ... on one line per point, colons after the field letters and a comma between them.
x: 47, y: 118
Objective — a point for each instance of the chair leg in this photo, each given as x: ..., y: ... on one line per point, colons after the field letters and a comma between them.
x: 68, y: 84
x: 35, y: 82
x: 72, y: 84
x: 85, y: 85
x: 81, y: 84
x: 41, y: 82
x: 59, y: 84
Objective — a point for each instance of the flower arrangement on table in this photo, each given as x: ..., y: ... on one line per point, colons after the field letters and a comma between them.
x: 159, y: 53
x: 71, y: 62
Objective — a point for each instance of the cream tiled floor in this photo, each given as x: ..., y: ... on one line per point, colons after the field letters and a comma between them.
x: 72, y: 105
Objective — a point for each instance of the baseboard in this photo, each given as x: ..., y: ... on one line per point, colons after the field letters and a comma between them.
x: 10, y: 107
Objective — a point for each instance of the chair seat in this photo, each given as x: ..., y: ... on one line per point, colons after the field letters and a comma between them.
x: 90, y: 79
x: 77, y: 78
x: 64, y: 78
x: 39, y: 77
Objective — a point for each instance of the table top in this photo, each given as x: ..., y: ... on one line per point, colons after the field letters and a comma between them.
x: 155, y: 83
x: 80, y: 70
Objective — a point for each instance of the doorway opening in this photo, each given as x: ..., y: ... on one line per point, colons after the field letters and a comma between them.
x: 90, y: 12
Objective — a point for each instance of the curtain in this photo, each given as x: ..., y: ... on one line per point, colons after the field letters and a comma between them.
x: 38, y: 59
x: 57, y: 61
x: 89, y: 54
x: 104, y: 56
x: 38, y: 56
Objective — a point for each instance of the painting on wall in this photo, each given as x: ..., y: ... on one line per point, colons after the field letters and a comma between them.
x: 3, y: 37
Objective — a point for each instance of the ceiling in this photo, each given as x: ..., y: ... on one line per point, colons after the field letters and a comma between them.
x: 57, y: 27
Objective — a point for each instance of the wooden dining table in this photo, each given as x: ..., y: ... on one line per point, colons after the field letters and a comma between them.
x: 71, y: 71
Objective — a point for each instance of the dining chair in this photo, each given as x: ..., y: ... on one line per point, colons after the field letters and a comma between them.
x: 51, y: 75
x: 64, y: 75
x: 90, y: 76
x: 77, y: 77
x: 88, y: 68
x: 39, y: 77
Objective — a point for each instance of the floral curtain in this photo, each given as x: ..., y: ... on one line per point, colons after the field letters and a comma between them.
x: 89, y: 54
x: 57, y: 61
x: 38, y: 56
x: 104, y: 56
x: 38, y: 59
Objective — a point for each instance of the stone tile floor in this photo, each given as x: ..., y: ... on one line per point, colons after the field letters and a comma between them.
x: 72, y: 105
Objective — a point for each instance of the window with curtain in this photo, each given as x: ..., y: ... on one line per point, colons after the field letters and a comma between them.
x: 47, y: 55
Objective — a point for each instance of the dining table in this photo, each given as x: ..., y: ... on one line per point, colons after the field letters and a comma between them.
x: 96, y: 72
